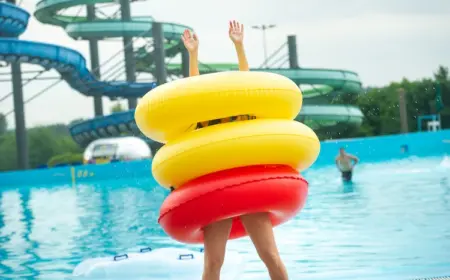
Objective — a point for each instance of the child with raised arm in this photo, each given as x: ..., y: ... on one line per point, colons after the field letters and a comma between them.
x: 257, y: 225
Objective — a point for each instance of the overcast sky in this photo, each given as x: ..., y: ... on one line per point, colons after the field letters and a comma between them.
x: 381, y: 40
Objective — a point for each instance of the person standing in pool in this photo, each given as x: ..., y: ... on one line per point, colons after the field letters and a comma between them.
x: 345, y: 163
x: 257, y: 225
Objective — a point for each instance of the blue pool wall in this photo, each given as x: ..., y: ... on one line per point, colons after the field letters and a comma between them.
x: 370, y: 149
x: 384, y: 148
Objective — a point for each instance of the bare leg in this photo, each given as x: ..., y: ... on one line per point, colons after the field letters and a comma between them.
x: 215, y: 237
x: 259, y: 228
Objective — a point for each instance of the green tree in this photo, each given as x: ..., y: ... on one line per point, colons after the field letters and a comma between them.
x: 66, y: 158
x: 443, y: 93
x: 43, y: 143
x: 117, y: 107
x: 3, y: 124
x: 380, y: 106
x: 8, y: 159
x: 442, y: 78
x: 75, y: 121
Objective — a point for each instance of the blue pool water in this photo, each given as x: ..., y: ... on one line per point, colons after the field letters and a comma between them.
x: 394, y: 220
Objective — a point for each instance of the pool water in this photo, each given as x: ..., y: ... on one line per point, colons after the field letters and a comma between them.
x: 393, y: 220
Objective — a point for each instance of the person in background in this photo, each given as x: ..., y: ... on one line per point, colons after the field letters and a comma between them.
x: 345, y: 163
x: 404, y: 149
x: 257, y: 225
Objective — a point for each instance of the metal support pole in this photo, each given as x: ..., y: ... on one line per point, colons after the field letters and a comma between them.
x: 403, y: 112
x: 159, y: 53
x: 264, y: 27
x: 264, y: 43
x: 95, y: 61
x: 19, y: 114
x: 185, y: 62
x: 292, y: 51
x: 130, y: 66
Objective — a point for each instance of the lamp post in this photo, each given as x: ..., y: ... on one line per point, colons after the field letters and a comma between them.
x: 264, y: 27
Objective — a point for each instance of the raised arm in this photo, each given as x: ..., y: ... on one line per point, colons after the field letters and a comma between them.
x: 190, y: 41
x: 236, y: 33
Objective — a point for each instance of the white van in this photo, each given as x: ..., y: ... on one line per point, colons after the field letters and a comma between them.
x: 116, y: 149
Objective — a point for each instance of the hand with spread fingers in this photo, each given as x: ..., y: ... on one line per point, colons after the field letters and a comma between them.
x: 190, y: 41
x: 236, y: 32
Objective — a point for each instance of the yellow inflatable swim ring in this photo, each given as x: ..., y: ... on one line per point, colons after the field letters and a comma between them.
x: 175, y: 108
x: 235, y: 144
x: 265, y: 103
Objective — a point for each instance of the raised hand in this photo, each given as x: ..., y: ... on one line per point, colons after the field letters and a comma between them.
x: 236, y: 32
x: 190, y: 41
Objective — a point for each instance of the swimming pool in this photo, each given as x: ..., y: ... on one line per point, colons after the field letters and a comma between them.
x: 392, y: 223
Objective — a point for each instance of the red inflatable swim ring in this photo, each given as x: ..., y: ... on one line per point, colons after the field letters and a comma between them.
x: 276, y: 189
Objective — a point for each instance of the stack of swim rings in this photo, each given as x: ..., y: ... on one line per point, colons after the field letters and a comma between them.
x: 232, y: 147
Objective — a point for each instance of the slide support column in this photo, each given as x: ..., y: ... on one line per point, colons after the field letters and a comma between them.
x: 19, y: 114
x: 130, y: 66
x: 185, y: 62
x: 159, y: 53
x: 95, y: 62
x: 292, y: 51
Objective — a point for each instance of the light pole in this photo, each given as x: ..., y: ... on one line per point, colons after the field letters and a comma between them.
x: 264, y: 27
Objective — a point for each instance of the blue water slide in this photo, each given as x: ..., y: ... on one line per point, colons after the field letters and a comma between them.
x: 72, y: 67
x: 105, y: 126
x: 70, y: 64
